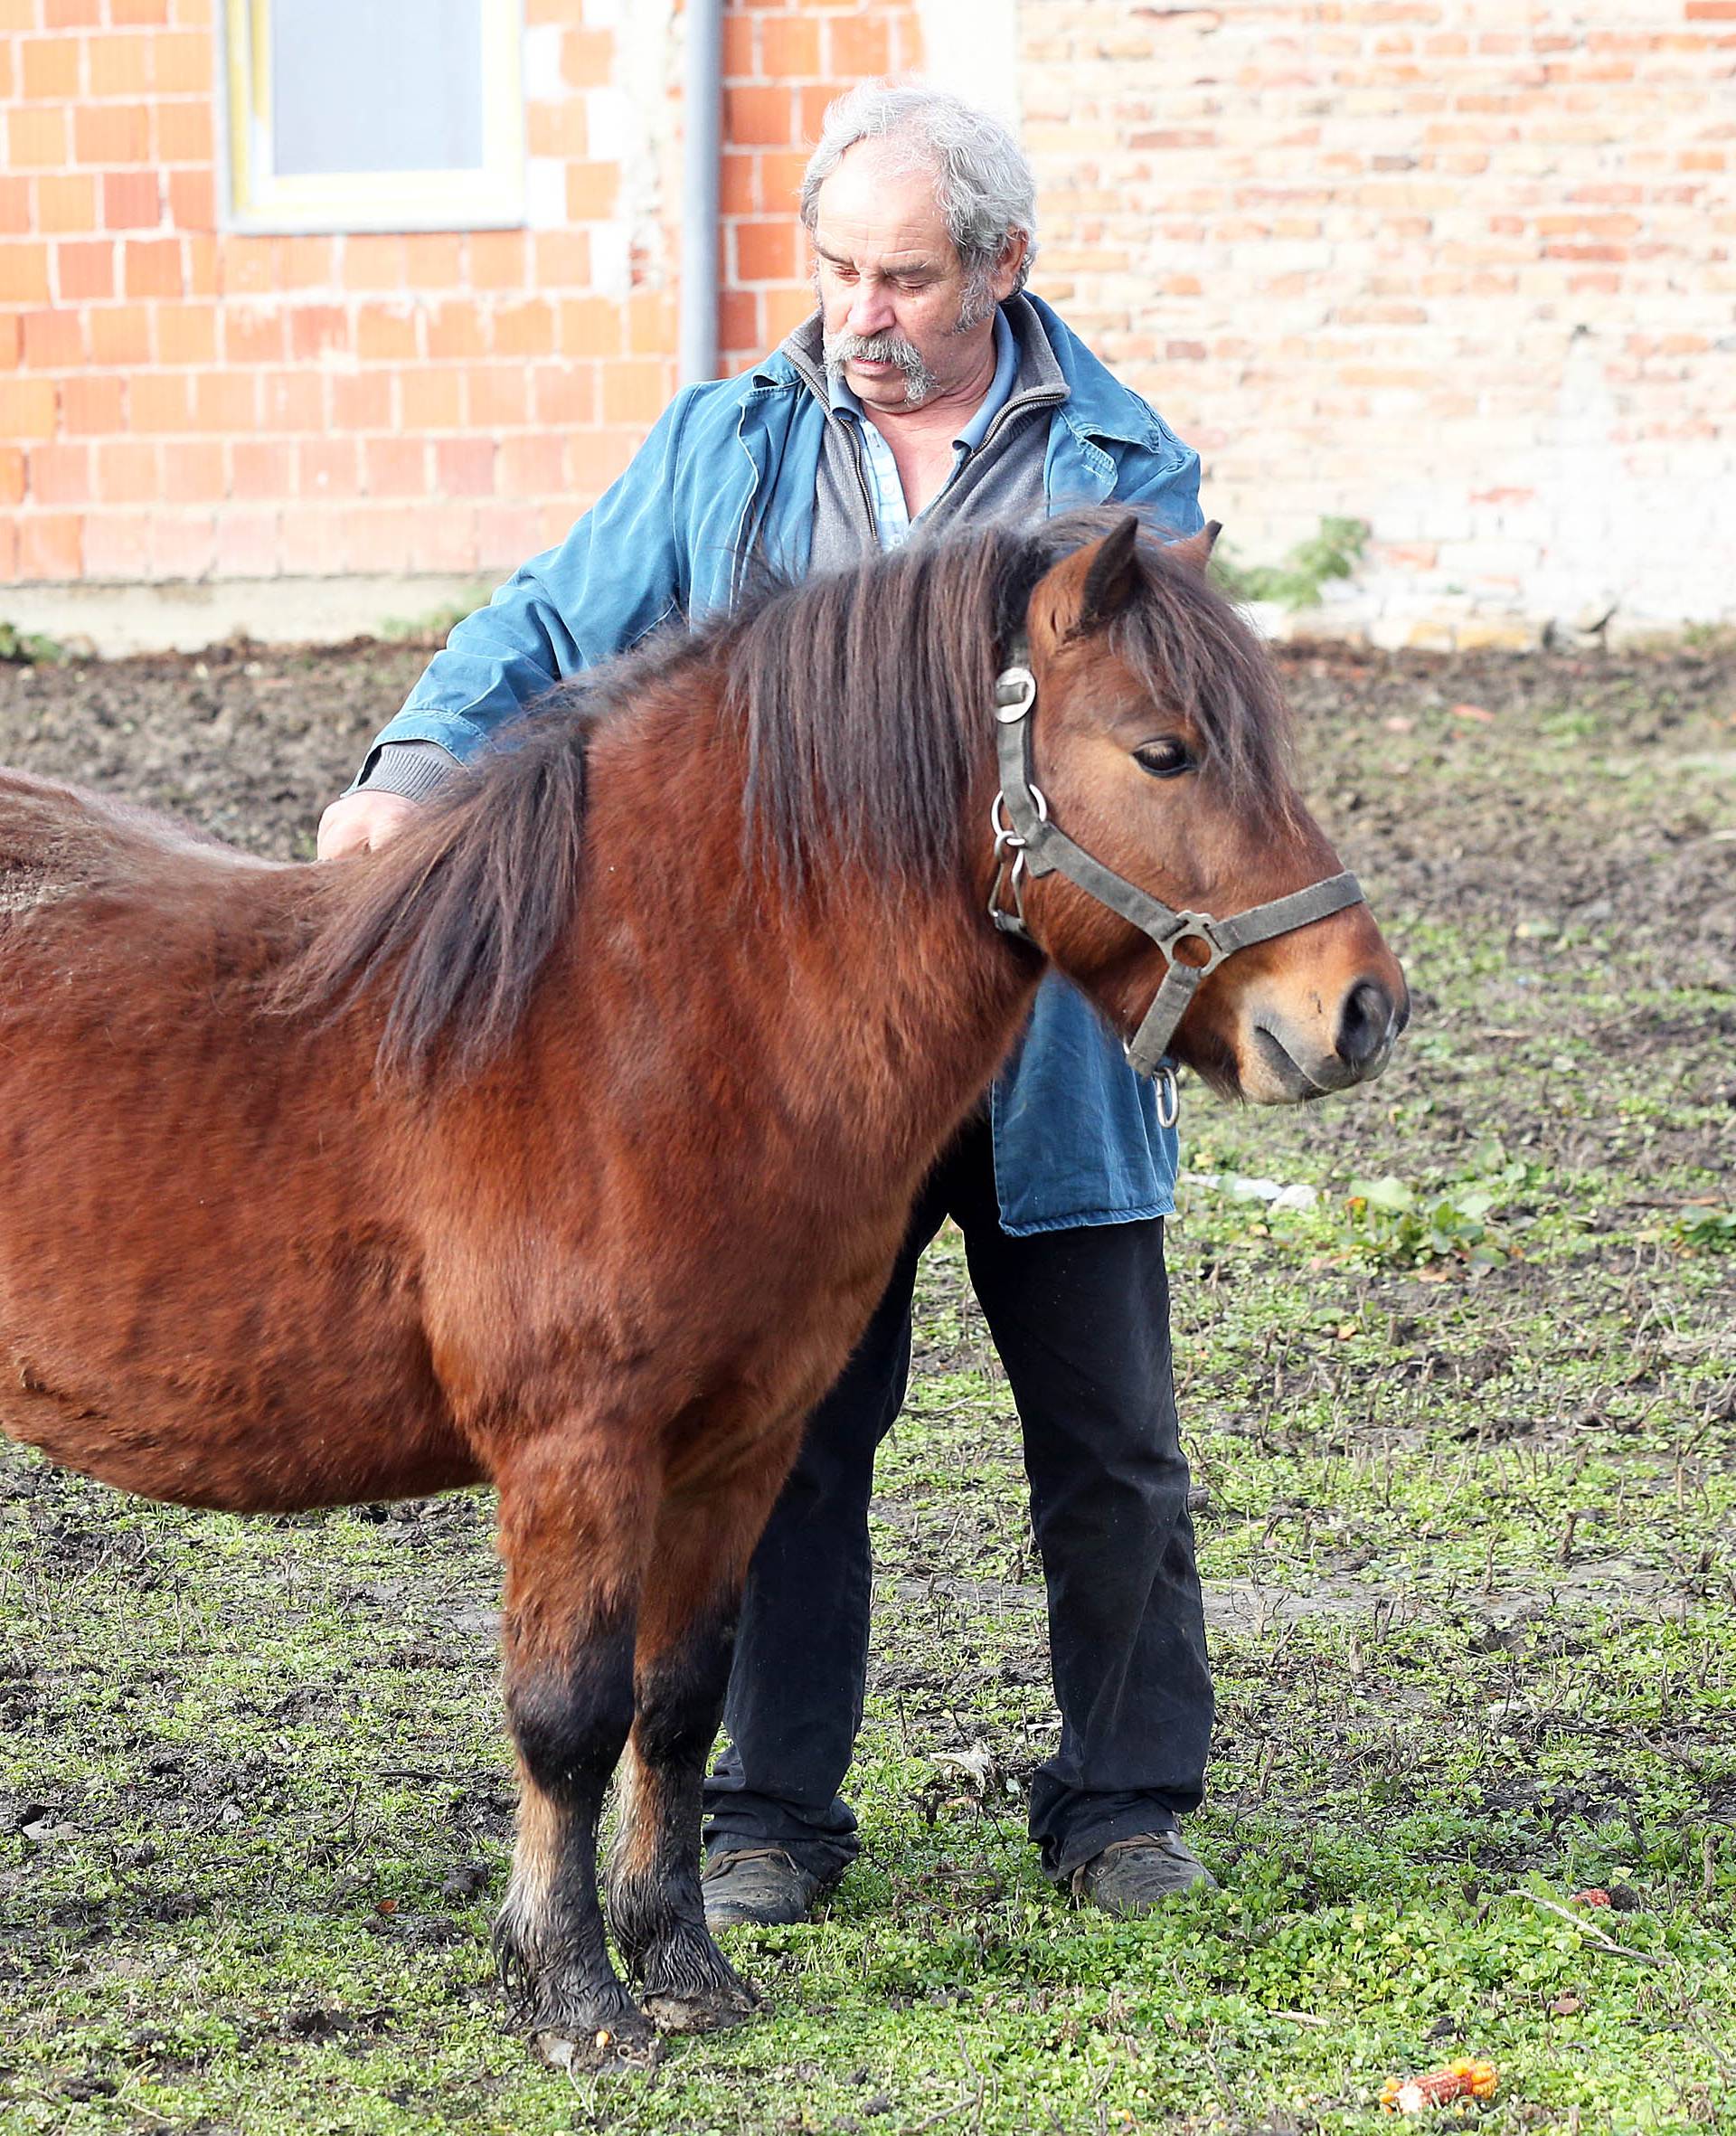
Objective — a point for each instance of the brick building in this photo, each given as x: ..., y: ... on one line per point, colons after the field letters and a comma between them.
x: 1460, y: 268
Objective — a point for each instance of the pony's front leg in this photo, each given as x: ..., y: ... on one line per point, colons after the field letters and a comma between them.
x: 686, y: 1637
x: 573, y: 1536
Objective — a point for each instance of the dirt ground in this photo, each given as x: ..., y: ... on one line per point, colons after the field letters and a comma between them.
x: 1466, y: 1525
x: 251, y: 743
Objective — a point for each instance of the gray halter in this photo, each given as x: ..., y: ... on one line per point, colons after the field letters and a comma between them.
x: 1021, y: 826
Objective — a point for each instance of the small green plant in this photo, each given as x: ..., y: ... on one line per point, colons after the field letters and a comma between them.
x: 435, y: 623
x: 1331, y: 552
x: 1391, y: 1222
x: 29, y: 648
x: 1709, y: 1231
x: 1492, y: 1165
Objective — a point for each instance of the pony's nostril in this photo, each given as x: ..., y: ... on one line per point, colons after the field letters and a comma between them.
x: 1364, y: 1025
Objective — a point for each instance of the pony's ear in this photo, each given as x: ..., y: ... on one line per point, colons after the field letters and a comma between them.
x: 1111, y: 577
x: 1085, y: 589
x: 1195, y: 552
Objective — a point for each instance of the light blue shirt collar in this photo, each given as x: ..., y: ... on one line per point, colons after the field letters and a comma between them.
x: 1000, y: 389
x: 879, y: 470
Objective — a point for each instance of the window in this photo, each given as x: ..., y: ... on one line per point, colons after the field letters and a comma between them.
x: 374, y: 114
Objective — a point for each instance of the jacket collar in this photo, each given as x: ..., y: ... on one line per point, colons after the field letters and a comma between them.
x: 1097, y: 404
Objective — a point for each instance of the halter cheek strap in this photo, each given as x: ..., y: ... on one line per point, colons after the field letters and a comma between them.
x: 1024, y: 827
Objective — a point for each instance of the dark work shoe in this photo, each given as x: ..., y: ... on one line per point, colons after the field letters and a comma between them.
x: 759, y: 1885
x: 1136, y: 1874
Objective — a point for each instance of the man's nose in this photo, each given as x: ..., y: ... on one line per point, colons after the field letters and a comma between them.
x: 872, y: 310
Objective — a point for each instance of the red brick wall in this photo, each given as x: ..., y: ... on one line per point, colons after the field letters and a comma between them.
x: 782, y: 65
x: 1461, y: 268
x: 177, y: 403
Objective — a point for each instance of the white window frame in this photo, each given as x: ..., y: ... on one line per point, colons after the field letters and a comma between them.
x: 259, y: 198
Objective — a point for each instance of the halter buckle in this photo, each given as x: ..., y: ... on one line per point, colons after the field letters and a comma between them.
x: 1008, y: 839
x: 1015, y: 691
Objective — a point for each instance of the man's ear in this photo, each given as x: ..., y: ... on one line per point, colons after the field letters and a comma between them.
x: 1005, y: 272
x: 1084, y: 591
x: 1195, y: 552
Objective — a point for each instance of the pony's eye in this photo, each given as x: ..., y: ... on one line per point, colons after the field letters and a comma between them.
x: 1167, y: 759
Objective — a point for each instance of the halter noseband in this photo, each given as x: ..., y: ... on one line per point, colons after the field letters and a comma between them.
x: 1022, y: 825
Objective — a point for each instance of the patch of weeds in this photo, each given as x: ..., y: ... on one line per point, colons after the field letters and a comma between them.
x: 1333, y: 552
x: 1390, y: 1222
x: 1707, y: 1232
x: 30, y: 649
x: 438, y: 624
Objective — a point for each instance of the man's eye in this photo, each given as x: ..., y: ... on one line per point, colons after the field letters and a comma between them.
x: 1167, y: 759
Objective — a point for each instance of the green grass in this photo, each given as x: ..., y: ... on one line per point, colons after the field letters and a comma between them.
x: 1467, y: 1540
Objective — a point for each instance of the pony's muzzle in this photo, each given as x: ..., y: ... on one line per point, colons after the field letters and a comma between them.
x: 1294, y: 1059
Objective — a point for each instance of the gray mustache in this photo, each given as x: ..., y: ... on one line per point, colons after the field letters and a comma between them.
x: 874, y: 348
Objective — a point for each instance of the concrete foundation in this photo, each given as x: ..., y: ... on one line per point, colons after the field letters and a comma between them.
x: 186, y: 616
x: 192, y: 615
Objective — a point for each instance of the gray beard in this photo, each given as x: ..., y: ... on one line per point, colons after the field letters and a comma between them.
x: 840, y: 349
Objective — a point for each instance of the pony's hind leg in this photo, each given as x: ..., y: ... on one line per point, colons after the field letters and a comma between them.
x: 573, y: 1548
x: 687, y: 1635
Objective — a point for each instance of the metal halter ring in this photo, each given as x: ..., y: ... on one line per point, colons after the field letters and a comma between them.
x: 1194, y: 927
x: 1169, y: 1099
x: 1005, y: 834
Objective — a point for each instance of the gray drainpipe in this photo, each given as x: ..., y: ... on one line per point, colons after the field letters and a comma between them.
x: 704, y: 103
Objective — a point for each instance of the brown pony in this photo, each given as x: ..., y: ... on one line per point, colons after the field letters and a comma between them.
x: 567, y: 1143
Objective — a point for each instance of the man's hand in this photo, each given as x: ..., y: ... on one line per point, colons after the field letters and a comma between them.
x: 362, y: 822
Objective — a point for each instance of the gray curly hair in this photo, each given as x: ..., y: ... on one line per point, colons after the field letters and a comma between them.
x: 982, y: 182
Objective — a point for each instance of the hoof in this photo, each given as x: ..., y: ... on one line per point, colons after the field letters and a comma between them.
x: 612, y: 2050
x: 703, y: 2013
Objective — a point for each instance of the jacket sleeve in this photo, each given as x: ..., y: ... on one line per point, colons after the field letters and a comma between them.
x: 622, y: 571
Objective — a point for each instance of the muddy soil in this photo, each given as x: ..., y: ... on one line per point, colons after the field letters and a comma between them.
x: 1642, y: 850
x: 251, y: 743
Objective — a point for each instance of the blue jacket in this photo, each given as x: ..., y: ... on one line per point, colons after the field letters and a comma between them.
x: 735, y: 460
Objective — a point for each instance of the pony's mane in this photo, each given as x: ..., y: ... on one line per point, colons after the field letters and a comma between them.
x: 865, y: 695
x: 863, y: 700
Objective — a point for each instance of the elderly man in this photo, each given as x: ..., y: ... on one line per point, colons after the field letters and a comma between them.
x: 928, y: 389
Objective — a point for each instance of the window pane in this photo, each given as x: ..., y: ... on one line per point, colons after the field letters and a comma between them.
x: 385, y: 85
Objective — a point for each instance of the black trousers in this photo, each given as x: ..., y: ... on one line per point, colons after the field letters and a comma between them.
x: 1081, y: 1318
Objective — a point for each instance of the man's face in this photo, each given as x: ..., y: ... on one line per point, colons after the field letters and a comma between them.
x: 894, y: 305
